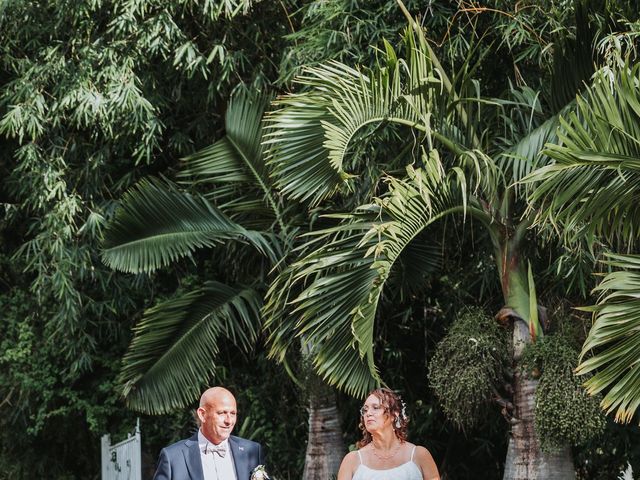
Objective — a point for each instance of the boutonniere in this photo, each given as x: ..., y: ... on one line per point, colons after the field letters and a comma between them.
x: 259, y: 473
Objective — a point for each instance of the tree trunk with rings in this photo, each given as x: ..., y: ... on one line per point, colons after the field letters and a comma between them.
x: 325, y: 445
x: 525, y: 460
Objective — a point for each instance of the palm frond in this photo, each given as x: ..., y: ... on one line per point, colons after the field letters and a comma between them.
x: 342, y: 280
x: 419, y: 261
x: 614, y: 339
x: 157, y: 224
x: 526, y: 141
x: 174, y: 349
x: 594, y: 181
x: 327, y: 331
x: 572, y: 267
x: 234, y: 166
x: 309, y: 134
x: 526, y: 155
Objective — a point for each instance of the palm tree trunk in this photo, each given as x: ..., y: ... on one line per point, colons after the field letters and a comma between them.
x: 525, y: 460
x: 325, y: 446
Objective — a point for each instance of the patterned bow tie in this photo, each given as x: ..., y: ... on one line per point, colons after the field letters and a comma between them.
x: 219, y: 449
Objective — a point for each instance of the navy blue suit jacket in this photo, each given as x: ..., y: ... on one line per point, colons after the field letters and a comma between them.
x: 181, y: 461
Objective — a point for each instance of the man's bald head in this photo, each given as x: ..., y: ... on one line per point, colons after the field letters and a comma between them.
x: 217, y: 414
x: 215, y: 394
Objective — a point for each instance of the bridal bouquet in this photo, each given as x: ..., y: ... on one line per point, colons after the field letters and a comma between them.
x: 259, y: 473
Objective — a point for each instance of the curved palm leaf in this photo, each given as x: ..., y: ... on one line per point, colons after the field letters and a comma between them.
x: 235, y: 165
x: 418, y: 262
x: 310, y: 133
x: 614, y: 339
x: 171, y: 355
x: 524, y: 156
x: 594, y: 181
x: 592, y: 189
x: 156, y: 224
x: 344, y: 278
x: 327, y: 332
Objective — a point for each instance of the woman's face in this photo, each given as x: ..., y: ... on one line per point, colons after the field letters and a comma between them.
x: 374, y: 415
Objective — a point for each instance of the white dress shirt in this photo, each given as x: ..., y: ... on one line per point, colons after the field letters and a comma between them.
x: 215, y: 467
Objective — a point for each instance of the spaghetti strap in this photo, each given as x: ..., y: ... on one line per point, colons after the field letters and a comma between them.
x: 412, y: 452
x: 360, y: 457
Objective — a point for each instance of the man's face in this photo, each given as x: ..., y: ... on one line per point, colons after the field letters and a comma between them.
x: 218, y: 417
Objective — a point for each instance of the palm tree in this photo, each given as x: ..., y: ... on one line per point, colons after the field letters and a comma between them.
x: 157, y: 224
x: 591, y: 191
x: 458, y: 171
x: 175, y: 346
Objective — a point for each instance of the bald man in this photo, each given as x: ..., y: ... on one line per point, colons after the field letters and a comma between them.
x: 212, y: 453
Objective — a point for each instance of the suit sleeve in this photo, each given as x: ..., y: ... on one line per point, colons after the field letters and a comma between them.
x: 163, y: 468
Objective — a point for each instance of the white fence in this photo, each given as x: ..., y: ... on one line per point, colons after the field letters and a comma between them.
x: 122, y: 461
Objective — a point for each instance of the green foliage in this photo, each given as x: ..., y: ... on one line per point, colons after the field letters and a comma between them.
x: 90, y: 91
x: 96, y: 94
x: 604, y: 457
x: 41, y: 399
x: 343, y: 30
x: 351, y: 264
x: 156, y: 225
x: 93, y: 95
x: 520, y: 40
x: 564, y: 413
x: 591, y: 190
x: 601, y: 162
x: 174, y: 337
x: 468, y: 367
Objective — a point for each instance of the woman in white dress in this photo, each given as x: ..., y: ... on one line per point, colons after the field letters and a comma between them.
x: 384, y: 452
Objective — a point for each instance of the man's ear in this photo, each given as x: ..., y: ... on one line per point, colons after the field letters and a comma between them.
x: 201, y: 413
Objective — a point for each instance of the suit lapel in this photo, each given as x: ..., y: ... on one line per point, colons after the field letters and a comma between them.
x: 239, y: 459
x: 192, y: 459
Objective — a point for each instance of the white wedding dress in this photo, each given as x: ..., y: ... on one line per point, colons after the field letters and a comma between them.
x: 407, y: 471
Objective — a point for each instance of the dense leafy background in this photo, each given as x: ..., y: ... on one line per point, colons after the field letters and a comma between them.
x: 95, y: 95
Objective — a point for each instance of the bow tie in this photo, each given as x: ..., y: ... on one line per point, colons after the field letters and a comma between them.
x: 219, y: 449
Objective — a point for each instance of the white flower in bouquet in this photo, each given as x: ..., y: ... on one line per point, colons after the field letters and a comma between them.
x: 259, y: 473
x: 627, y: 474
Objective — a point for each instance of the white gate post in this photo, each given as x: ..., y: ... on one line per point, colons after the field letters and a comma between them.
x: 105, y: 442
x: 122, y: 461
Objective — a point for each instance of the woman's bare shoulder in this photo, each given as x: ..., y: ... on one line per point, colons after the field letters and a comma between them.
x: 352, y: 456
x: 422, y: 452
x: 348, y: 466
x: 428, y: 466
